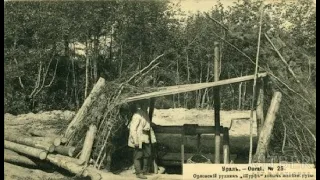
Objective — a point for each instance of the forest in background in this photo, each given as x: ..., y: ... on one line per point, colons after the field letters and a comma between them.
x: 56, y: 51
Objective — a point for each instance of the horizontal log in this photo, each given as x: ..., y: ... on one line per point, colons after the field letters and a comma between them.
x: 65, y: 150
x: 37, y: 142
x: 15, y: 158
x: 21, y: 160
x: 191, y: 87
x: 57, y: 140
x: 31, y: 151
x: 179, y: 129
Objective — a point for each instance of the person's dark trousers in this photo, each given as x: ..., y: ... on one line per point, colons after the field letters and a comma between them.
x: 142, y: 154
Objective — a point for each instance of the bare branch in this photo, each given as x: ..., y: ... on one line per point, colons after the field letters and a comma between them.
x: 54, y: 75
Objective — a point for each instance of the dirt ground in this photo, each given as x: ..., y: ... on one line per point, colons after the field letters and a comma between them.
x: 55, y: 121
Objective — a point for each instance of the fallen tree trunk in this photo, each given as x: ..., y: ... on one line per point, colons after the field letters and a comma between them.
x: 88, y: 143
x: 267, y: 127
x: 84, y: 112
x: 37, y: 142
x: 31, y: 151
x: 65, y: 150
x: 65, y: 163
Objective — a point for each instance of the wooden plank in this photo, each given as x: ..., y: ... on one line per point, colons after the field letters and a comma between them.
x: 177, y: 157
x: 191, y: 87
x: 179, y: 129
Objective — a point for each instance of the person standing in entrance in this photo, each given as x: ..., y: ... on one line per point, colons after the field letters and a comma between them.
x: 140, y: 138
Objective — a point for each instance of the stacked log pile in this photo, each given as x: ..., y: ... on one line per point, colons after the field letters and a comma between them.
x: 79, y: 150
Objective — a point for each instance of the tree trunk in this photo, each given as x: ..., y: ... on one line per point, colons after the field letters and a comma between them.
x: 88, y: 143
x: 45, y: 143
x: 85, y: 112
x: 95, y: 59
x: 65, y: 150
x: 31, y: 151
x: 267, y: 128
x: 244, y: 94
x: 87, y: 71
x: 240, y: 96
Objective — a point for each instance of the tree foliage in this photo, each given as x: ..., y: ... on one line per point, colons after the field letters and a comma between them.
x: 55, y: 51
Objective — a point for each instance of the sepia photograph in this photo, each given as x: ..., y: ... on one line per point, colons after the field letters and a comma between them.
x: 159, y: 89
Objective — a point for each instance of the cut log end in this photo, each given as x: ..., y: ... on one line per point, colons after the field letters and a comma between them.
x: 57, y: 141
x: 43, y: 155
x: 71, y: 151
x: 51, y: 148
x: 64, y: 140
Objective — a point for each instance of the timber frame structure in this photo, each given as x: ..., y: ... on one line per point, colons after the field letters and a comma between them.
x: 194, y: 129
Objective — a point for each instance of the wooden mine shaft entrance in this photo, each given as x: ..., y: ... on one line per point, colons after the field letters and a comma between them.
x: 195, y: 129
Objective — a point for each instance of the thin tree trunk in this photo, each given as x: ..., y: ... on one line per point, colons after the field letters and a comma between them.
x: 178, y: 81
x: 205, y: 94
x: 95, y: 59
x: 240, y: 96
x: 87, y: 71
x: 244, y: 94
x: 121, y: 61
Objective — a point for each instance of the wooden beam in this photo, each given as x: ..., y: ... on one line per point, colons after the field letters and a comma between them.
x: 153, y: 149
x: 175, y: 157
x: 179, y: 129
x: 164, y: 91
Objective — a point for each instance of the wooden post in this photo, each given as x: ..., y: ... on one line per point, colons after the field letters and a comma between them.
x: 153, y: 152
x: 88, y: 143
x: 182, y: 150
x: 267, y: 127
x: 226, y: 148
x: 198, y: 142
x: 260, y: 106
x: 217, y: 103
x: 31, y: 151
